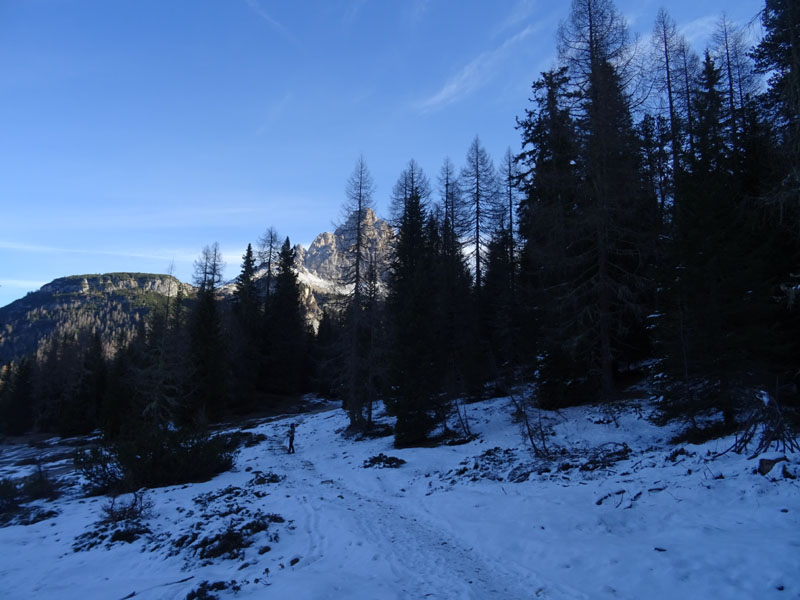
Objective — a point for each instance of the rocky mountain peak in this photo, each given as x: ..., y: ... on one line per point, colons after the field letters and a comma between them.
x: 327, y: 257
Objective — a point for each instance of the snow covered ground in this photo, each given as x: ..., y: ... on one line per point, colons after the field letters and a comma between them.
x: 618, y: 513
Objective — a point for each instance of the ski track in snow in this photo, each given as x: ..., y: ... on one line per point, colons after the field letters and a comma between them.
x: 418, y: 552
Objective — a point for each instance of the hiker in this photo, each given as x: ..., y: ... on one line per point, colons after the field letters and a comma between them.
x: 291, y: 437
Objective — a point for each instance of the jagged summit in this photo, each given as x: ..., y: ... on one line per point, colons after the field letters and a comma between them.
x: 323, y: 266
x: 327, y: 259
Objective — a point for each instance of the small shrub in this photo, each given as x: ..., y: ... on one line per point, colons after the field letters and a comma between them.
x: 162, y: 457
x: 260, y: 478
x: 381, y: 461
x: 100, y: 468
x: 9, y: 496
x: 40, y: 486
x: 153, y: 457
x: 237, y: 439
x: 128, y: 534
x: 228, y: 544
x: 697, y: 434
x: 139, y: 507
x: 203, y: 591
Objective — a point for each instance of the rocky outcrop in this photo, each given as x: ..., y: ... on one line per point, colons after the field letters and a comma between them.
x: 164, y: 285
x: 328, y: 256
x: 110, y: 305
x: 323, y: 268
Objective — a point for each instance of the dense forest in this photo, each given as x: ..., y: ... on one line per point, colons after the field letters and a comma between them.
x: 649, y: 226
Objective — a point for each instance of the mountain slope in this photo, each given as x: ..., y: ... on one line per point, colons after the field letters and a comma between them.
x: 111, y: 305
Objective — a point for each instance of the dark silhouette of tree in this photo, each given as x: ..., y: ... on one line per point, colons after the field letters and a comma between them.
x: 479, y: 188
x: 246, y: 293
x: 778, y: 55
x: 207, y: 345
x: 598, y: 279
x: 414, y: 364
x: 268, y: 247
x: 16, y: 398
x: 358, y: 201
x: 287, y: 331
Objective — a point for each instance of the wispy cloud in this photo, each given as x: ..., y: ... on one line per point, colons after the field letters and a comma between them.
x: 23, y: 284
x: 475, y: 74
x: 519, y: 13
x: 168, y: 255
x: 274, y: 112
x: 134, y: 214
x: 256, y: 7
x: 698, y: 32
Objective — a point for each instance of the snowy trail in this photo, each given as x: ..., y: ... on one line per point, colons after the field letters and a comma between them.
x: 451, y: 523
x: 410, y: 553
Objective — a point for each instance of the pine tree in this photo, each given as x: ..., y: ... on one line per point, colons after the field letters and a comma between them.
x: 268, y: 247
x: 358, y: 202
x: 715, y: 294
x: 209, y: 397
x: 666, y: 44
x: 287, y: 331
x: 245, y: 341
x: 599, y: 283
x: 246, y: 293
x: 778, y: 55
x: 549, y: 167
x: 460, y: 347
x: 478, y: 184
x: 414, y: 365
x: 16, y: 399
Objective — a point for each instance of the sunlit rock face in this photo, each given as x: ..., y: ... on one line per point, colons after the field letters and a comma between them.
x: 166, y: 285
x: 325, y: 267
x: 328, y: 256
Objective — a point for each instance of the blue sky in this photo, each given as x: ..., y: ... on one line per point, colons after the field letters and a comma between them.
x: 133, y: 132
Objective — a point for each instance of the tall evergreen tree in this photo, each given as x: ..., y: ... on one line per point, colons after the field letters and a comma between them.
x: 16, y: 398
x: 268, y: 247
x: 602, y: 287
x: 246, y: 339
x: 414, y: 364
x: 288, y: 334
x: 246, y: 292
x: 208, y: 352
x: 549, y: 166
x: 479, y: 186
x: 358, y: 202
x: 778, y: 55
x: 460, y: 345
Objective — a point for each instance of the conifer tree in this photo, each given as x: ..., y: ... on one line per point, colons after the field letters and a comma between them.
x: 16, y: 398
x: 209, y: 397
x: 287, y: 343
x: 549, y: 167
x: 358, y: 202
x: 414, y: 363
x: 479, y: 186
x: 268, y: 247
x: 599, y: 284
x: 246, y: 293
x: 778, y: 55
x: 452, y: 286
